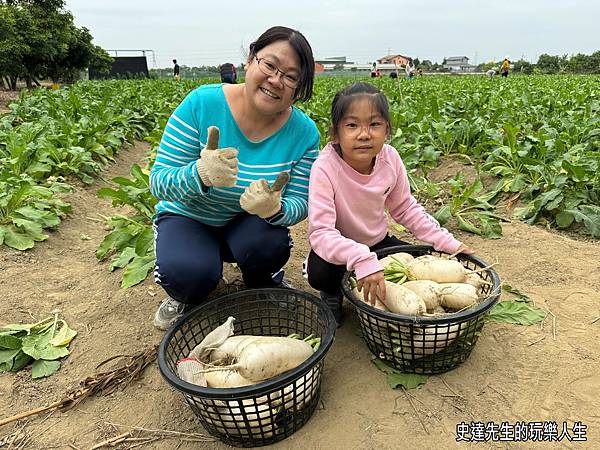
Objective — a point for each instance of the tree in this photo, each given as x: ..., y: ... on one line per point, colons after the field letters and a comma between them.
x: 548, y: 64
x: 79, y: 53
x: 38, y: 38
x: 523, y: 66
x: 426, y: 65
x: 12, y: 47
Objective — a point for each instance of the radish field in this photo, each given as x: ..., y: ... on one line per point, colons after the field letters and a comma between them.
x: 532, y: 143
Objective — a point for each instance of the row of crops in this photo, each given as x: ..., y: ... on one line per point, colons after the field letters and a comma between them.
x: 533, y: 143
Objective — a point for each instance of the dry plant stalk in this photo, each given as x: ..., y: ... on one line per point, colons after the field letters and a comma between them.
x: 103, y: 383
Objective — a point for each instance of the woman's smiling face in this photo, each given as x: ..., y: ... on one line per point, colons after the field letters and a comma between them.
x: 269, y: 94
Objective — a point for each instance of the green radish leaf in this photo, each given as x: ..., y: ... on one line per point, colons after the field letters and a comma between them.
x: 37, y: 327
x: 465, y: 225
x: 20, y: 361
x: 17, y: 240
x: 6, y: 356
x: 516, y: 312
x: 590, y: 216
x: 564, y: 219
x: 33, y: 229
x: 42, y: 368
x: 395, y: 378
x: 137, y: 271
x: 144, y: 241
x: 443, y: 214
x: 123, y: 259
x: 520, y: 296
x: 9, y: 342
x: 64, y: 336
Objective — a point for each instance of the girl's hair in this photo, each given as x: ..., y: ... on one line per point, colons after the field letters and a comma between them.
x: 303, y: 50
x: 344, y: 98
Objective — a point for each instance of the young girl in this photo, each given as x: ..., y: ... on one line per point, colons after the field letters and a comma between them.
x: 354, y: 180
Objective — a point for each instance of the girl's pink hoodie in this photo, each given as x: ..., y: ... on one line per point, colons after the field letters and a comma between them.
x: 346, y: 210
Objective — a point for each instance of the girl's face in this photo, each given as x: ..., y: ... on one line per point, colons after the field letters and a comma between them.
x: 270, y: 93
x: 361, y: 135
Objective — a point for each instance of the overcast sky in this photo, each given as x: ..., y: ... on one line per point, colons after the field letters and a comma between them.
x: 199, y: 32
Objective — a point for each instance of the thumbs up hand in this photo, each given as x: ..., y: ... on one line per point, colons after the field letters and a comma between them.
x: 217, y: 166
x: 263, y: 200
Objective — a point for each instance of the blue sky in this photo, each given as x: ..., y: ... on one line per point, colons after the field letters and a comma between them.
x: 197, y: 34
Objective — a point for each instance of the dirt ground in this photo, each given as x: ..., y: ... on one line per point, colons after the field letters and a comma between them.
x: 7, y: 97
x: 515, y: 373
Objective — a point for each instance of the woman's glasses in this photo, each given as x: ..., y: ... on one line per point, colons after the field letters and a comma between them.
x: 270, y: 69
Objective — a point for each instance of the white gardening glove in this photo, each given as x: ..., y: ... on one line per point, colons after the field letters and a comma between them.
x: 263, y: 200
x: 217, y: 166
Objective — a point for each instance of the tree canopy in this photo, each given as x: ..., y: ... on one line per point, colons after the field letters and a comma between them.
x: 38, y: 39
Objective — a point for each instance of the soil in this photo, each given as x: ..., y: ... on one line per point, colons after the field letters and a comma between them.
x: 538, y: 373
x: 7, y: 97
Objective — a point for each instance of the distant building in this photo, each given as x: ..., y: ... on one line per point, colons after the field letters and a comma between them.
x: 396, y: 60
x: 330, y: 63
x: 458, y: 64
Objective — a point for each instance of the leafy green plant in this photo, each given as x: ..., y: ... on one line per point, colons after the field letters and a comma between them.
x: 518, y: 310
x: 131, y: 241
x: 26, y: 209
x: 44, y: 342
x: 473, y: 214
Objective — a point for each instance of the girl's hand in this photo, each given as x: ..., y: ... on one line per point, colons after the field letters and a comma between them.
x: 373, y: 287
x: 465, y: 249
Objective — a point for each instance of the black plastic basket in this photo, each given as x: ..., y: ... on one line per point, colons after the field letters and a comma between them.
x: 425, y: 345
x: 272, y: 410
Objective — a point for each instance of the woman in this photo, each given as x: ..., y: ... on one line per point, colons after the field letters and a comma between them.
x: 217, y: 197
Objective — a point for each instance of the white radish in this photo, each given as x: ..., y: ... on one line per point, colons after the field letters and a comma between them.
x: 378, y: 304
x: 476, y: 280
x: 401, y: 300
x: 232, y: 347
x: 458, y: 296
x: 226, y: 379
x: 427, y: 290
x: 230, y: 417
x: 270, y: 356
x: 428, y: 340
x: 305, y: 388
x: 439, y: 270
x: 439, y: 310
x: 401, y: 256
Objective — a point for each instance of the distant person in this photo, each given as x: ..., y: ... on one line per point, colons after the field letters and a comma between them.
x: 490, y: 73
x: 504, y: 67
x: 420, y: 72
x: 393, y: 74
x: 176, y: 74
x: 228, y: 73
x: 410, y: 70
x: 222, y: 149
x: 374, y: 71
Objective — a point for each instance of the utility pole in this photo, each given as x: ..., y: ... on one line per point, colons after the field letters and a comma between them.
x: 475, y: 63
x: 389, y: 51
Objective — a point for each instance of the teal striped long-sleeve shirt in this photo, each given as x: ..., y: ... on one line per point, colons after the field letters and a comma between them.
x: 174, y: 179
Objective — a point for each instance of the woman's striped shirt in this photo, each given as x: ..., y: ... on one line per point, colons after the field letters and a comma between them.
x: 175, y: 182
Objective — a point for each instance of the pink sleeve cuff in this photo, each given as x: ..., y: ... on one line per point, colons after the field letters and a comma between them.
x: 449, y: 246
x: 367, y: 267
